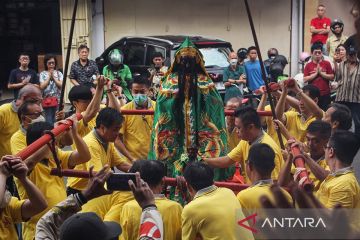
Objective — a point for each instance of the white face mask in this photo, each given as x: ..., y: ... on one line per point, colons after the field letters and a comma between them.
x: 40, y: 118
x: 233, y: 62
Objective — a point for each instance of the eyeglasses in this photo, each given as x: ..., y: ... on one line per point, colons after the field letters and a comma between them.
x: 36, y: 114
x: 51, y: 63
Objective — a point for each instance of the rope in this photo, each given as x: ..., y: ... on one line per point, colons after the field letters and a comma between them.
x: 52, y: 147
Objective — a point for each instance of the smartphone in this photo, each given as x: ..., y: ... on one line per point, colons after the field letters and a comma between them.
x: 119, y: 181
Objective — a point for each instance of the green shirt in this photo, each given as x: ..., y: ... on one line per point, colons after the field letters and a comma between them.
x: 229, y: 73
x: 235, y: 90
x: 123, y: 75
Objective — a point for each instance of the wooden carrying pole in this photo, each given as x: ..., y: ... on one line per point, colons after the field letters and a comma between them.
x: 236, y: 187
x: 67, y: 59
x: 263, y: 73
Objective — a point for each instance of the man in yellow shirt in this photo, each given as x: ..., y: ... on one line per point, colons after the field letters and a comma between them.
x: 152, y: 172
x: 88, y: 105
x: 13, y: 210
x: 248, y: 125
x: 291, y: 104
x: 41, y: 162
x: 9, y: 122
x: 297, y: 123
x: 317, y: 136
x: 338, y: 116
x: 100, y: 142
x: 232, y: 136
x: 259, y: 166
x: 101, y: 145
x: 212, y: 212
x: 341, y: 185
x: 135, y: 132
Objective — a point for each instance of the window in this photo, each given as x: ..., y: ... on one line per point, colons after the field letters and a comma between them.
x: 151, y: 49
x: 134, y: 54
x: 215, y: 57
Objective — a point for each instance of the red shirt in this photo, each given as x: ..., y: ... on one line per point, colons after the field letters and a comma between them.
x: 319, y: 82
x: 320, y: 23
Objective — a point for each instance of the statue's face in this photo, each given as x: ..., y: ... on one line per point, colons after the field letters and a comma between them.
x: 188, y: 63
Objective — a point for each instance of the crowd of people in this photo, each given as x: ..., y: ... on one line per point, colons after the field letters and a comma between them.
x: 255, y: 150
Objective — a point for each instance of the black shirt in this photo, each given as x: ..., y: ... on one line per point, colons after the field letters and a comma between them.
x: 83, y: 74
x: 17, y: 76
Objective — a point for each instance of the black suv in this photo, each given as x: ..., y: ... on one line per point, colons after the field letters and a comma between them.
x: 138, y: 52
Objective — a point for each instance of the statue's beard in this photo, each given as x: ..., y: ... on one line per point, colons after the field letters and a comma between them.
x: 187, y: 75
x: 188, y: 72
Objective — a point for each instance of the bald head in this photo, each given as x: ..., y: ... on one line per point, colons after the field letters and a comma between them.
x: 29, y: 92
x: 232, y: 55
x: 233, y: 103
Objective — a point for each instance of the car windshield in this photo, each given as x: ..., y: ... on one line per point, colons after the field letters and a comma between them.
x: 215, y: 57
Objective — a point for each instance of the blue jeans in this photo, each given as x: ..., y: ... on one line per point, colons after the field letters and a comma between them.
x: 50, y: 114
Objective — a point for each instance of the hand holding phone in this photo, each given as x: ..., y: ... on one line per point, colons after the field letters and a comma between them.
x: 119, y: 181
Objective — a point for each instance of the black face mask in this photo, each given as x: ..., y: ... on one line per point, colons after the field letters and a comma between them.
x: 187, y: 64
x: 117, y: 67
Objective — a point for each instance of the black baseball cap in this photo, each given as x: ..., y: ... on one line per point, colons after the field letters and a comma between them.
x: 88, y: 226
x: 80, y: 92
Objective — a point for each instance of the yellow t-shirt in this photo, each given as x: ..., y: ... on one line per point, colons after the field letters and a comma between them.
x: 10, y: 215
x: 207, y: 216
x: 271, y: 129
x: 18, y: 141
x: 250, y: 198
x: 232, y: 139
x: 241, y: 152
x: 322, y: 163
x: 99, y: 157
x: 52, y: 187
x: 109, y: 207
x: 136, y: 131
x: 296, y: 126
x: 341, y: 187
x: 170, y: 212
x: 9, y: 124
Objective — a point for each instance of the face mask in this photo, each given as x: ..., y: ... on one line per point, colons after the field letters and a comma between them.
x: 140, y: 99
x: 38, y: 119
x: 233, y: 62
